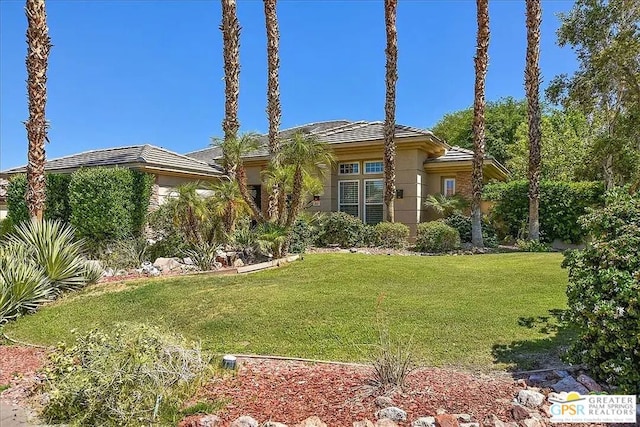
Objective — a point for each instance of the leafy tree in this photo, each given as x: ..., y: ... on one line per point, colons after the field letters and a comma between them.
x: 502, y: 119
x: 605, y: 35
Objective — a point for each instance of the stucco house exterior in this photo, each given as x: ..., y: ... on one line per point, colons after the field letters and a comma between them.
x: 424, y: 165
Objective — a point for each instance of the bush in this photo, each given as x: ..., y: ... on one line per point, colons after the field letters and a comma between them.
x: 342, y: 229
x: 168, y: 241
x: 561, y: 205
x: 532, y: 246
x: 392, y: 234
x: 463, y: 225
x: 56, y: 203
x: 603, y: 294
x: 6, y: 227
x: 436, y: 236
x: 136, y: 376
x: 301, y: 236
x: 40, y: 260
x: 108, y: 203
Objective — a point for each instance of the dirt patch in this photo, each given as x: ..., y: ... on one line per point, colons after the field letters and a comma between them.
x: 289, y: 392
x: 19, y: 361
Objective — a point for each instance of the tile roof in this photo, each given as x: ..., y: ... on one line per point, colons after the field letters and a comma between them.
x: 458, y: 154
x: 332, y: 132
x: 137, y: 154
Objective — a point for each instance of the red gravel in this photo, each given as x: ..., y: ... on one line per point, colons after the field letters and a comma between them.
x: 289, y: 392
x: 19, y: 360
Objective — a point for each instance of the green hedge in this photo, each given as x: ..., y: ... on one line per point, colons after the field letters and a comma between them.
x: 108, y: 203
x: 561, y: 204
x: 57, y: 198
x: 436, y: 236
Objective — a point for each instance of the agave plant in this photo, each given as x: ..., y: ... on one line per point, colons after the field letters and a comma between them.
x: 203, y: 255
x: 52, y: 246
x: 23, y: 286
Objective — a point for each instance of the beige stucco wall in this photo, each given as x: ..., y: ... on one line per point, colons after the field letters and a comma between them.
x: 165, y: 185
x: 4, y: 211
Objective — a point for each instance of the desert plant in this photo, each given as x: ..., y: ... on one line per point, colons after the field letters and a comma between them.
x: 436, y: 236
x: 204, y: 255
x: 6, y: 227
x: 532, y: 246
x: 603, y: 294
x: 446, y: 205
x: 392, y: 234
x: 135, y: 376
x: 272, y: 238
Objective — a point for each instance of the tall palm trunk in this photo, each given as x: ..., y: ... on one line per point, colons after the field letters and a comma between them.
x: 532, y: 84
x: 231, y: 52
x: 39, y: 45
x: 390, y: 12
x: 274, y: 111
x: 296, y: 199
x: 481, y: 63
x: 241, y: 177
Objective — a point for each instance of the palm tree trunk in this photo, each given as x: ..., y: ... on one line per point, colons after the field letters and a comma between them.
x: 532, y: 84
x: 282, y: 205
x: 241, y: 178
x: 481, y: 64
x: 231, y: 52
x: 39, y: 45
x: 273, y: 93
x: 390, y: 12
x: 296, y: 198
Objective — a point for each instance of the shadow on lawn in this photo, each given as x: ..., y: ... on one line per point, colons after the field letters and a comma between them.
x: 544, y: 352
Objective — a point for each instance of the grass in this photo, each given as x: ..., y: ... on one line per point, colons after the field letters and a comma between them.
x: 470, y: 311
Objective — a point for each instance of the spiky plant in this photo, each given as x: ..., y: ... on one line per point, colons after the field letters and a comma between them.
x: 52, y: 246
x: 39, y: 45
x: 445, y: 205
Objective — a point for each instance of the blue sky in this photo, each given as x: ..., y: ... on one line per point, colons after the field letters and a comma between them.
x: 125, y: 72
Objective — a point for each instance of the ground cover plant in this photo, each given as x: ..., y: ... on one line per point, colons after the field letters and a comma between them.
x: 325, y: 307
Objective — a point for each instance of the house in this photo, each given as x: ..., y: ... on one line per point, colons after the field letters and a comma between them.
x: 169, y: 169
x: 424, y: 165
x: 4, y: 184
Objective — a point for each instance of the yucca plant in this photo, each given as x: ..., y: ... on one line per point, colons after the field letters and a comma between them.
x: 23, y: 286
x: 203, y: 255
x: 52, y: 246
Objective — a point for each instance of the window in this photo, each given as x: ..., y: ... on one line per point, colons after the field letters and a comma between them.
x: 373, y: 167
x: 449, y: 186
x: 349, y: 197
x: 373, y: 201
x: 256, y: 194
x: 349, y: 168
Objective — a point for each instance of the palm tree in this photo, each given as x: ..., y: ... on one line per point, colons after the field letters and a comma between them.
x: 39, y: 45
x: 281, y: 177
x: 446, y: 205
x: 481, y: 63
x: 227, y: 202
x: 233, y: 151
x: 273, y: 93
x: 390, y: 11
x: 231, y: 52
x: 532, y: 85
x: 189, y: 211
x: 304, y: 153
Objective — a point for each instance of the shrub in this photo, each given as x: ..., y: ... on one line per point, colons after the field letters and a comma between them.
x: 271, y: 239
x: 436, y: 236
x: 167, y: 239
x: 370, y: 236
x: 108, y: 203
x: 392, y: 234
x: 204, y: 255
x: 463, y: 225
x: 301, y: 236
x: 56, y: 203
x: 136, y: 376
x: 123, y: 254
x: 6, y: 227
x: 561, y: 204
x: 532, y: 246
x: 603, y: 290
x: 342, y: 229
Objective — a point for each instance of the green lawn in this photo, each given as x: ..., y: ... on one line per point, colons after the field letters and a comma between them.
x: 470, y: 311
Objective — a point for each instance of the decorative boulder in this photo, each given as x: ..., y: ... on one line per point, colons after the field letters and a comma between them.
x: 312, y: 422
x: 383, y: 402
x: 424, y: 422
x: 393, y: 413
x: 530, y: 398
x: 167, y: 264
x: 244, y: 421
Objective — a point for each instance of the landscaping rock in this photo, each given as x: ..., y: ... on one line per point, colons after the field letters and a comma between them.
x: 441, y: 411
x: 384, y: 402
x: 209, y: 421
x: 493, y: 421
x: 532, y: 422
x: 465, y: 418
x: 589, y: 383
x: 187, y: 261
x: 424, y: 422
x: 273, y: 424
x: 568, y: 384
x: 167, y: 264
x: 393, y: 413
x: 385, y: 422
x: 312, y: 422
x: 238, y: 263
x: 363, y: 423
x: 538, y: 378
x: 446, y: 420
x: 245, y: 421
x: 519, y: 412
x: 108, y: 272
x: 469, y: 424
x: 530, y: 398
x: 561, y: 374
